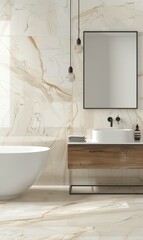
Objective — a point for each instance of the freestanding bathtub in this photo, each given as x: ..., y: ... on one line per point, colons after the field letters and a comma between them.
x: 20, y: 166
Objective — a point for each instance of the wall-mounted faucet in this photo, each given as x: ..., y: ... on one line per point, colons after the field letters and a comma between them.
x: 110, y: 119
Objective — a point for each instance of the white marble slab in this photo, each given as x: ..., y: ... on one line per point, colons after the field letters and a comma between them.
x: 42, y: 102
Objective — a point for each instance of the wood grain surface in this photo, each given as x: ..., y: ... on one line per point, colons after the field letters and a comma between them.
x: 105, y: 156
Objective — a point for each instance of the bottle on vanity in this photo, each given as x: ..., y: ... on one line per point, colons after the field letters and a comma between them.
x: 137, y: 133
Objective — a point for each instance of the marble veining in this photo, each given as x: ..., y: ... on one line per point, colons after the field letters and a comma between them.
x: 38, y: 105
x: 51, y: 213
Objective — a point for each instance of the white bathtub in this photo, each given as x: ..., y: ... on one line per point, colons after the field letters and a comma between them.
x: 20, y: 166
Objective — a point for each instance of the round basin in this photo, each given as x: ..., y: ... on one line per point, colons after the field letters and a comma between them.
x: 112, y: 135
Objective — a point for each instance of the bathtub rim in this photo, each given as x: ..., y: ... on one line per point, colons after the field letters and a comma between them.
x: 22, y: 149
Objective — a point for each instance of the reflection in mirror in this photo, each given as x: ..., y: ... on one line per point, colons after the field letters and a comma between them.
x: 110, y: 69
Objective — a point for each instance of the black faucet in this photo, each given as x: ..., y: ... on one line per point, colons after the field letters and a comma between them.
x: 110, y: 119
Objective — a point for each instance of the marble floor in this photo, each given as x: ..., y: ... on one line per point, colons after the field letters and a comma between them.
x: 44, y: 213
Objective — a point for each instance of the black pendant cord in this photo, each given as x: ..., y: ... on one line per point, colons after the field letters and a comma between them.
x: 70, y: 32
x: 78, y: 18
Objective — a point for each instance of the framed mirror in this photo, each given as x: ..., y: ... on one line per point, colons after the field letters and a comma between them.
x: 110, y: 69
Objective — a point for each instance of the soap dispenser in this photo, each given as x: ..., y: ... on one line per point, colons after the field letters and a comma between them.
x: 137, y: 133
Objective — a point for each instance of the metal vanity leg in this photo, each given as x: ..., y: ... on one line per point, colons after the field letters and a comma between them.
x: 70, y: 181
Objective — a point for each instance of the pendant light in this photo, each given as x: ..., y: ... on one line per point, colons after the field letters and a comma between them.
x: 78, y: 46
x: 70, y: 76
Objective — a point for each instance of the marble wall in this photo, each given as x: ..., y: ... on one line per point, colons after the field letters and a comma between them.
x: 38, y: 105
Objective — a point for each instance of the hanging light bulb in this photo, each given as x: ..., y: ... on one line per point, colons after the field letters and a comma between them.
x: 70, y: 76
x: 78, y: 47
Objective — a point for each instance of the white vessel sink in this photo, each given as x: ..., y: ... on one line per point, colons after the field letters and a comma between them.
x: 112, y: 135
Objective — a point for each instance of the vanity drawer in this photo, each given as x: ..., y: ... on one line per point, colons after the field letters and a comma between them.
x: 104, y: 156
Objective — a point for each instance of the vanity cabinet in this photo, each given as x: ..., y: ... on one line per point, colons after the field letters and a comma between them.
x: 104, y: 156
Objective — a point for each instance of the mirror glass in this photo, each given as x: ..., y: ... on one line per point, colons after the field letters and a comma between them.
x: 110, y: 69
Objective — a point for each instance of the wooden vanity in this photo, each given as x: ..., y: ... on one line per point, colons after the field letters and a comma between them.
x: 105, y: 156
